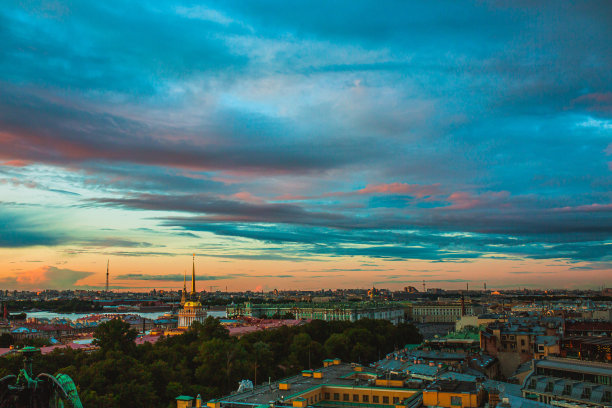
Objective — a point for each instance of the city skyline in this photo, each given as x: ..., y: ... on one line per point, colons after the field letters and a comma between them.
x: 305, y: 145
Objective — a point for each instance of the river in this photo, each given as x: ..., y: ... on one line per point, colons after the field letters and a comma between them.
x: 75, y: 316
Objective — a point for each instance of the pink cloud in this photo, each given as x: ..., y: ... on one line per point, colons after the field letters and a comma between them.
x: 586, y: 208
x: 247, y: 197
x: 400, y: 188
x: 462, y: 200
x: 19, y: 183
x: 600, y: 102
x: 16, y: 163
x: 416, y: 190
x: 44, y: 277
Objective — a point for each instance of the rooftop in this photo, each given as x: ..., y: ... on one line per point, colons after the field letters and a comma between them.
x: 586, y: 367
x: 342, y: 375
x: 452, y: 386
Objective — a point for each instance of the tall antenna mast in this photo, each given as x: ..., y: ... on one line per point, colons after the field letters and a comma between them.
x: 184, y: 294
x: 107, y: 261
x: 193, y: 291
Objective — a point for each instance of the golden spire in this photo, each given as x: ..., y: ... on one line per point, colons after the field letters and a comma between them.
x: 193, y: 291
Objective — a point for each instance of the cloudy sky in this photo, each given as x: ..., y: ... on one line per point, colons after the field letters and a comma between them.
x: 306, y: 144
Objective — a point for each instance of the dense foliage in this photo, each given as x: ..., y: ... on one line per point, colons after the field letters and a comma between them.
x: 207, y: 361
x: 7, y: 340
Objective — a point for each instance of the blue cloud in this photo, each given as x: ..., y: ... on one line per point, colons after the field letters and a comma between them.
x: 264, y: 121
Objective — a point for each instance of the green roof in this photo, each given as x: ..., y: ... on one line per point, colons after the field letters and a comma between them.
x: 465, y: 334
x: 184, y: 398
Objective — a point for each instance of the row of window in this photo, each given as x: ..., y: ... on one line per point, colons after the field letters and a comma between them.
x: 567, y: 390
x: 364, y: 398
x: 437, y: 312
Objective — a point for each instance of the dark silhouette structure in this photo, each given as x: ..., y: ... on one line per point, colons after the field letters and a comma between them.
x: 44, y: 390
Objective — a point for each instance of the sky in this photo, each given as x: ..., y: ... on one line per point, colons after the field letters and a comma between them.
x: 306, y: 144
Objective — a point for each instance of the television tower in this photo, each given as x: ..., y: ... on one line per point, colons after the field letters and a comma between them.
x: 193, y: 291
x: 107, y: 261
x: 184, y: 295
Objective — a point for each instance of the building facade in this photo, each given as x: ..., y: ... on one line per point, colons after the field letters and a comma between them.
x: 569, y: 383
x: 192, y: 311
x: 444, y: 312
x: 322, y: 311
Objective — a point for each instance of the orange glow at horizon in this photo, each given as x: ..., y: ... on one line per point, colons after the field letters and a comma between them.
x: 17, y: 272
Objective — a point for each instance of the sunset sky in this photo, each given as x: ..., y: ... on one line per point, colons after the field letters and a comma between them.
x: 305, y: 144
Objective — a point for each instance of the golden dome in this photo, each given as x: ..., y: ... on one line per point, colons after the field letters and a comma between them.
x: 192, y: 304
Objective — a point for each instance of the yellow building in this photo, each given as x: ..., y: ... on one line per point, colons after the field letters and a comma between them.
x: 451, y: 394
x: 330, y: 386
x: 192, y: 310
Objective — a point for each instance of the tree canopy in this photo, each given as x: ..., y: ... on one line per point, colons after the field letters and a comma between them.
x: 207, y: 361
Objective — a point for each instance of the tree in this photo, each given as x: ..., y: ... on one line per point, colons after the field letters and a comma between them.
x: 6, y: 340
x: 222, y: 362
x: 115, y: 335
x: 337, y: 345
x: 211, y: 328
x: 263, y: 356
x: 363, y: 352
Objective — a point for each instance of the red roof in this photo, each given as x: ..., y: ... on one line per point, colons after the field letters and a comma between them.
x: 589, y: 326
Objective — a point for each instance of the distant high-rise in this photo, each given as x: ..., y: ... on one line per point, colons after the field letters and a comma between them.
x: 184, y: 294
x: 107, y: 262
x: 193, y: 290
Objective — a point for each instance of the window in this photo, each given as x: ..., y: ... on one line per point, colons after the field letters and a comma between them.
x: 375, y: 399
x: 567, y: 390
x: 522, y: 342
x: 385, y: 400
x: 345, y: 397
x: 327, y: 396
x: 396, y: 400
x: 364, y: 398
x: 336, y: 396
x: 456, y: 401
x: 586, y: 393
x: 355, y: 397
